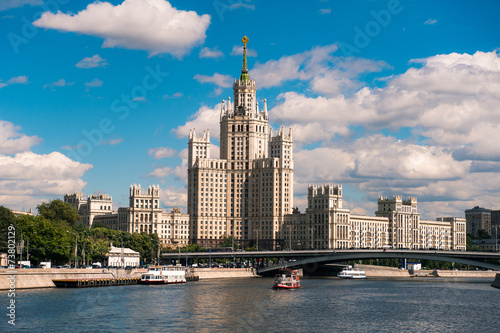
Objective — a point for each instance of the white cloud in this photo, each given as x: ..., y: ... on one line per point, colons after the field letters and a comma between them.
x: 220, y: 80
x: 325, y: 11
x: 162, y: 152
x: 32, y: 177
x: 238, y: 51
x: 173, y: 197
x: 242, y: 5
x: 325, y: 73
x: 430, y: 21
x: 175, y: 95
x: 204, y: 118
x: 59, y: 83
x: 443, y: 112
x: 151, y: 25
x: 11, y: 141
x: 8, y: 4
x: 161, y: 172
x: 92, y: 62
x: 207, y: 52
x: 23, y: 79
x: 94, y: 83
x: 111, y: 142
x: 139, y: 99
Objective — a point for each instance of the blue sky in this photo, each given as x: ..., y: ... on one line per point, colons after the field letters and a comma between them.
x: 384, y: 97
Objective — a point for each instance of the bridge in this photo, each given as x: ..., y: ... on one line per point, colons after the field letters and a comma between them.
x: 304, y: 258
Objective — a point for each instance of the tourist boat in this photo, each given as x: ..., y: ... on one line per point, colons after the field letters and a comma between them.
x: 286, y: 279
x: 164, y: 275
x: 352, y: 273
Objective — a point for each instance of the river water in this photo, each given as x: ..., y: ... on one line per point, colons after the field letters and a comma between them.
x: 251, y: 305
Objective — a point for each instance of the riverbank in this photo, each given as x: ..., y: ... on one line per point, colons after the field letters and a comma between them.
x: 42, y: 278
x: 221, y: 273
x: 372, y: 271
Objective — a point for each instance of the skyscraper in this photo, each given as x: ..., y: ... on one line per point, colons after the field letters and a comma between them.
x: 248, y: 190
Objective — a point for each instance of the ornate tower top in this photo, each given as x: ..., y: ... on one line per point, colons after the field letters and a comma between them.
x: 244, y: 71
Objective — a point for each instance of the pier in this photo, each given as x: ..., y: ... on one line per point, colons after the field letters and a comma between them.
x: 87, y: 283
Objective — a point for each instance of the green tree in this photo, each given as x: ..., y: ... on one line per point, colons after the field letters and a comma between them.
x: 228, y: 241
x: 7, y: 218
x: 47, y: 240
x: 483, y: 234
x: 58, y: 210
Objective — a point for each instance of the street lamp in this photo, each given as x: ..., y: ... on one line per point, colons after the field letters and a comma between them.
x: 76, y: 247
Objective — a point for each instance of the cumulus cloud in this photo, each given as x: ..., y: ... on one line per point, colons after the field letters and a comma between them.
x: 27, y: 178
x: 35, y: 177
x: 430, y: 21
x: 204, y: 118
x: 162, y: 152
x: 23, y: 79
x: 9, y: 4
x: 11, y: 141
x: 93, y: 84
x: 431, y: 131
x: 58, y: 84
x: 173, y: 197
x: 327, y: 74
x: 207, y: 52
x: 238, y: 51
x: 92, y: 62
x: 151, y: 25
x: 174, y: 95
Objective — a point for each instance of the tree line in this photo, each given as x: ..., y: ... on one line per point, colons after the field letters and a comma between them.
x: 54, y: 234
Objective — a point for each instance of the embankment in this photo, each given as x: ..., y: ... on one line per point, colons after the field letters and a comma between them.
x: 42, y: 278
x: 391, y: 272
x: 219, y: 273
x: 372, y: 271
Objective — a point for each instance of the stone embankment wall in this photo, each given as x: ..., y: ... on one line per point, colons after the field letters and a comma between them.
x: 381, y: 272
x: 372, y: 271
x: 219, y: 273
x: 465, y: 274
x: 42, y: 278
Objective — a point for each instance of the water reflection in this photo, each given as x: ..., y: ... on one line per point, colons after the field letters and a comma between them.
x: 251, y: 305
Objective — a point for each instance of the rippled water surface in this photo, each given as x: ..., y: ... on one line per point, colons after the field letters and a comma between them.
x: 250, y: 305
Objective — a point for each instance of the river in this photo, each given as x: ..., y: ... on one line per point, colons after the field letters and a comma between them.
x: 251, y: 305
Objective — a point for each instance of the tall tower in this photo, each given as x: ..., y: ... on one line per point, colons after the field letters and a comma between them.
x: 246, y: 192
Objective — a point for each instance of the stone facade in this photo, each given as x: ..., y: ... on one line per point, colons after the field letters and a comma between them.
x: 327, y: 225
x: 478, y: 218
x: 247, y: 191
x: 143, y: 215
x: 91, y: 206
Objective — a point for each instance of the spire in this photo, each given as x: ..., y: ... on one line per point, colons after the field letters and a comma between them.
x: 244, y: 71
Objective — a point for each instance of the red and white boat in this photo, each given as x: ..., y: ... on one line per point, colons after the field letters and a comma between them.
x: 287, y: 279
x: 164, y: 275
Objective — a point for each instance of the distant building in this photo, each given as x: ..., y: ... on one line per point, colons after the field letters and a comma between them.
x: 145, y: 215
x: 478, y: 218
x: 495, y: 223
x: 247, y: 192
x: 122, y: 257
x: 327, y: 225
x: 91, y: 206
x: 486, y: 245
x: 18, y: 213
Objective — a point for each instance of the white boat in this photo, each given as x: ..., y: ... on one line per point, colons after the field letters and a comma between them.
x: 287, y: 279
x: 164, y: 275
x: 352, y: 273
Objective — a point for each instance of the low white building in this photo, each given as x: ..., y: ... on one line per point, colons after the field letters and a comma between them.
x: 123, y: 257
